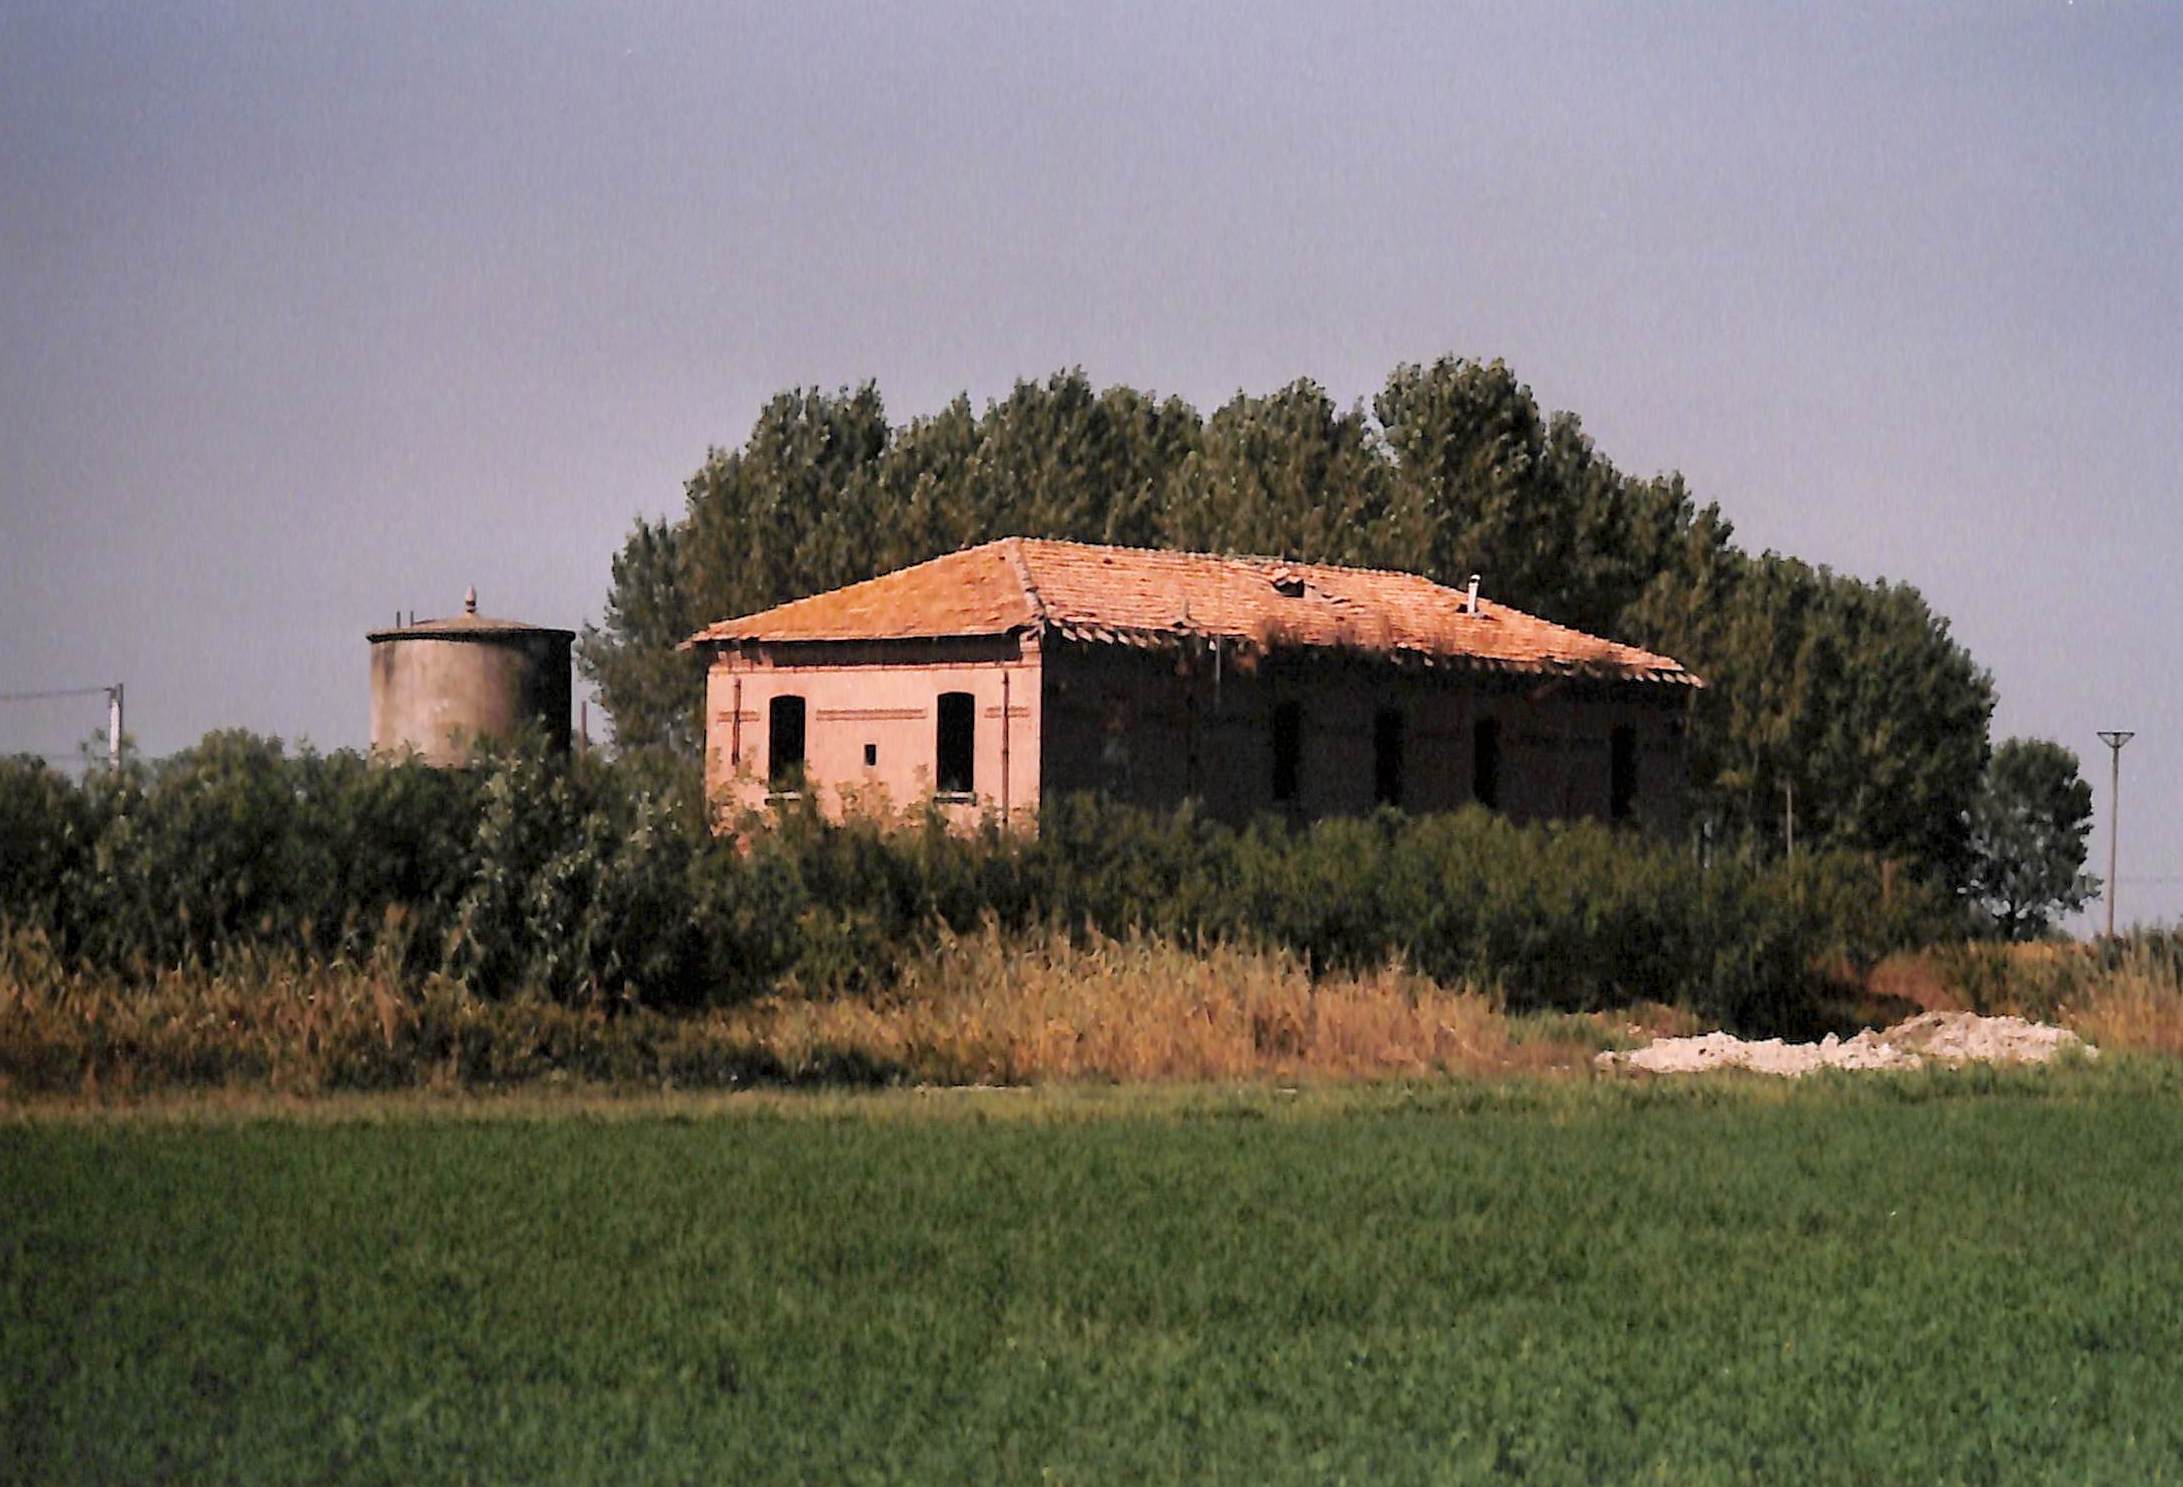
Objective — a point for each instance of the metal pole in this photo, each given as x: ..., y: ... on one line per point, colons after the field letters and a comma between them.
x: 2114, y: 829
x: 2114, y: 740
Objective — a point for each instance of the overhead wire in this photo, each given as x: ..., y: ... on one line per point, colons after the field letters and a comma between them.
x: 50, y: 694
x: 54, y: 693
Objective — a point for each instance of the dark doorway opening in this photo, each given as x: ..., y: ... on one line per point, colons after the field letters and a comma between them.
x: 1622, y: 772
x: 1288, y: 750
x: 785, y: 744
x: 1485, y: 763
x: 955, y: 749
x: 1387, y: 757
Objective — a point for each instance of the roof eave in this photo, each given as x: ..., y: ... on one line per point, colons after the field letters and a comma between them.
x: 704, y: 638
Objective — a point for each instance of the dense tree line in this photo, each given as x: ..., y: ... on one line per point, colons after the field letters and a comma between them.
x: 1851, y: 694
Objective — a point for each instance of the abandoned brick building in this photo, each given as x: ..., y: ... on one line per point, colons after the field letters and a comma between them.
x: 1020, y: 669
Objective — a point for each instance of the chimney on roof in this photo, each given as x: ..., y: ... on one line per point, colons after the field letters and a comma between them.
x: 470, y: 597
x: 1471, y: 605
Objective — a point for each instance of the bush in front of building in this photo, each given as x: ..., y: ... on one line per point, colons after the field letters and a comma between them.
x: 1565, y: 916
x: 598, y: 882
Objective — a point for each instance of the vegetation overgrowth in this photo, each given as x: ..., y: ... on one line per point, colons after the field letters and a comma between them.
x: 596, y: 883
x: 982, y: 1010
x: 1945, y: 1277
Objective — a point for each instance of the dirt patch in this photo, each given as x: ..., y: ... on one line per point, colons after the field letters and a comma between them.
x: 1941, y: 1037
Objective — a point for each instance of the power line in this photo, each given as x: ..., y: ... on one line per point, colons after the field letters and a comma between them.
x: 56, y: 692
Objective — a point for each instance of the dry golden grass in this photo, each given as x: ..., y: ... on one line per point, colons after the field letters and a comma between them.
x: 2131, y: 1010
x: 986, y: 1010
x: 978, y: 1010
x: 272, y: 1020
x: 2127, y: 997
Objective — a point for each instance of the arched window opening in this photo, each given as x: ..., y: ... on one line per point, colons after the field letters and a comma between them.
x: 785, y: 744
x: 955, y: 748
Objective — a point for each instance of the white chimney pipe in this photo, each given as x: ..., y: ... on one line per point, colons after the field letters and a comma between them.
x: 1472, y: 606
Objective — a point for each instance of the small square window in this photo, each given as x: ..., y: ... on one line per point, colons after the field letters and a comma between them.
x: 871, y: 755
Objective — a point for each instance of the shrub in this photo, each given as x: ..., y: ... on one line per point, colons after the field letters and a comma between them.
x: 592, y: 882
x: 45, y: 834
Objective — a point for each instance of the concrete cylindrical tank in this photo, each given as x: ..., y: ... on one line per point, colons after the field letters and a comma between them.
x: 439, y: 685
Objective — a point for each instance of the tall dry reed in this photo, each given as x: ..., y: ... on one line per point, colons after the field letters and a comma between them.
x: 984, y: 1008
x: 2120, y: 994
x: 988, y: 1009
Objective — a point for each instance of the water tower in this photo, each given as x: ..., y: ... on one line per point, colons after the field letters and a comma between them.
x: 439, y: 685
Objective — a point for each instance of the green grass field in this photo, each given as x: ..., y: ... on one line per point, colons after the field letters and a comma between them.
x: 1969, y: 1277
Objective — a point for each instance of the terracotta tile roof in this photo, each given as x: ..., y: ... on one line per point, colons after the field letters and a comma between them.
x: 1136, y: 596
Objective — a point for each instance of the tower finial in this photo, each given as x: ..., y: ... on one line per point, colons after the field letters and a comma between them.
x: 470, y: 600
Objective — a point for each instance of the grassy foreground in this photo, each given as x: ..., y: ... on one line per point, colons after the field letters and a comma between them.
x: 1948, y: 1277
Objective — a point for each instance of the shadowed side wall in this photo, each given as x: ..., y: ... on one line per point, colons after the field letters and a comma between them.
x: 1155, y: 727
x: 871, y: 721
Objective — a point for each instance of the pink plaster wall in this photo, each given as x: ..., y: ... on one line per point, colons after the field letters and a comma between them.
x: 884, y: 697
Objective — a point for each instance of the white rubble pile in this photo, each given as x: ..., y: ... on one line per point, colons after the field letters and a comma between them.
x: 1958, y: 1037
x: 1945, y: 1037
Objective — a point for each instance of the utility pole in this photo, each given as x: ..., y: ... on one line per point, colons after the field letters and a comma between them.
x: 113, y: 727
x: 2114, y: 740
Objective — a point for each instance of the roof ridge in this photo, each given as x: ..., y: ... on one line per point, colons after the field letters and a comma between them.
x: 1242, y: 557
x: 1016, y: 559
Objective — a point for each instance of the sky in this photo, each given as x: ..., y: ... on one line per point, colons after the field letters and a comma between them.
x: 310, y: 314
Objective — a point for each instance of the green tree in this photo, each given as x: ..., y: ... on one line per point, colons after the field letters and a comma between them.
x: 654, y: 691
x: 1485, y: 482
x: 2028, y: 828
x: 1851, y: 695
x: 793, y: 511
x: 45, y: 835
x: 1288, y: 475
x: 1052, y: 459
x: 789, y: 513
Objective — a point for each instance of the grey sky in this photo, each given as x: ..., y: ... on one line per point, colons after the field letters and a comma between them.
x: 310, y: 313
